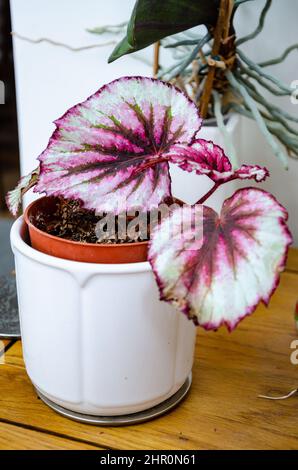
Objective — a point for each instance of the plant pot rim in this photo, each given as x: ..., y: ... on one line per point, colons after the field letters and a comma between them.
x: 65, y: 240
x: 105, y: 253
x: 19, y: 234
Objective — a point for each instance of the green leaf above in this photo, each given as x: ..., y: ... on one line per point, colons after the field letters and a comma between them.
x: 152, y: 20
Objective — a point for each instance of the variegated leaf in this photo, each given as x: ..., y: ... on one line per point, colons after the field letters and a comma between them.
x: 206, y: 158
x: 98, y: 145
x: 256, y: 172
x: 221, y: 277
x: 14, y: 197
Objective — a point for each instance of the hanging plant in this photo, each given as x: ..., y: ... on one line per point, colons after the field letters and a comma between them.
x: 213, y: 69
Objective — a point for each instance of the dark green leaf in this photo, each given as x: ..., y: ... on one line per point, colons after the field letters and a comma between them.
x: 122, y: 48
x: 152, y: 20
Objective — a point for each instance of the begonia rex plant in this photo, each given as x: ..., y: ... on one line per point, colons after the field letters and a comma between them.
x: 112, y: 153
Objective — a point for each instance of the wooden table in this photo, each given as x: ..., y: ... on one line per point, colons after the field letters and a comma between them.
x: 222, y: 410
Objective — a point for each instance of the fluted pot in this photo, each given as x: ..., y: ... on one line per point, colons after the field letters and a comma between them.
x: 96, y: 338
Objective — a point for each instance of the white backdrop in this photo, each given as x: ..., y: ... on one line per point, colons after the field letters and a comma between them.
x: 279, y: 32
x: 50, y: 79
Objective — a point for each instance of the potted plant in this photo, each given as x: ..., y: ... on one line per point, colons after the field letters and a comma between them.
x: 96, y: 338
x: 165, y: 24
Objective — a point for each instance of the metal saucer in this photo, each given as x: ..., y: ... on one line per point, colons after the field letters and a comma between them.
x: 124, y: 420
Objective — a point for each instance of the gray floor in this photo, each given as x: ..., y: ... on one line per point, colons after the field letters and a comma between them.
x: 6, y: 256
x: 9, y: 317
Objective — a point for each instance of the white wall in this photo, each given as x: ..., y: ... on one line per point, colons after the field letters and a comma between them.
x: 50, y: 79
x: 279, y: 32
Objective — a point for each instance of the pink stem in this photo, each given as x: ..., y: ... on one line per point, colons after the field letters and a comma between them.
x: 210, y: 192
x: 150, y: 164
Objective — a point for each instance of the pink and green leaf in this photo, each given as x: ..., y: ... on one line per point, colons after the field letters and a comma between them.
x: 221, y: 278
x: 14, y: 197
x: 112, y: 151
x: 206, y: 158
x: 255, y: 172
x: 202, y: 157
x: 99, y: 145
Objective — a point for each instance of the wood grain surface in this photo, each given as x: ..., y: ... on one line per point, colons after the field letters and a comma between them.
x: 222, y: 410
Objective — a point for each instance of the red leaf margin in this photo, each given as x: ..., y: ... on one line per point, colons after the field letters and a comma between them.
x: 185, y: 306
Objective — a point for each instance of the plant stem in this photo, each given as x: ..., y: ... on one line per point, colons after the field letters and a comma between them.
x: 222, y: 128
x: 156, y: 59
x: 259, y: 27
x: 183, y: 42
x: 287, y: 139
x: 257, y: 116
x: 275, y: 114
x: 250, y: 73
x: 215, y: 50
x: 261, y: 72
x: 221, y: 26
x: 209, y: 193
x: 239, y: 2
x: 182, y: 65
x: 279, y: 59
x: 60, y: 44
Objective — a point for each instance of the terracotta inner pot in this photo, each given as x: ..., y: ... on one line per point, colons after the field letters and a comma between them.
x: 135, y: 252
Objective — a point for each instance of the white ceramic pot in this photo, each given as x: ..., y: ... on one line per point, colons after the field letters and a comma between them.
x: 189, y: 187
x: 96, y: 338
